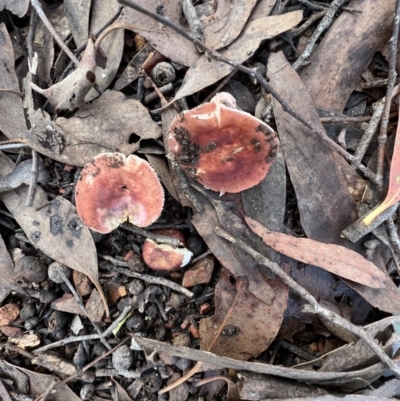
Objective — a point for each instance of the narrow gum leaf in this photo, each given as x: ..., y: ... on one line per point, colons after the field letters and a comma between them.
x: 393, y: 194
x: 333, y: 258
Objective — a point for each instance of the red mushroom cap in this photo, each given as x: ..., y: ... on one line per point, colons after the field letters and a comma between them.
x: 223, y: 148
x: 164, y: 257
x: 114, y: 188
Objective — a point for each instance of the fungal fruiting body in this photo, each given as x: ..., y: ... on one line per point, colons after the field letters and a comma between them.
x: 114, y: 188
x: 225, y: 149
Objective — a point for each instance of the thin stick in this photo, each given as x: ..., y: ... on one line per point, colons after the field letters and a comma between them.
x: 322, y: 27
x: 315, y: 307
x: 34, y: 179
x: 38, y: 7
x: 382, y: 138
x: 12, y: 91
x: 87, y: 337
x: 254, y: 74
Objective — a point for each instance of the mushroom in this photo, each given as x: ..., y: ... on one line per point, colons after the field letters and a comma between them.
x: 225, y: 149
x: 164, y: 257
x: 114, y: 188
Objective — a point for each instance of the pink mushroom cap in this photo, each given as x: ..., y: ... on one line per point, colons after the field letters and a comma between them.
x: 114, y: 188
x: 225, y: 149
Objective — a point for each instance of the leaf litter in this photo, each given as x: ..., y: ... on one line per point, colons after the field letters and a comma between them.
x: 240, y: 310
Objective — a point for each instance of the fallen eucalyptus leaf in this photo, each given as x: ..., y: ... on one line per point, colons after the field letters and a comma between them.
x: 333, y: 258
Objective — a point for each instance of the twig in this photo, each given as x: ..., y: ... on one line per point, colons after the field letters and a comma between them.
x: 89, y: 365
x: 314, y: 306
x: 148, y: 234
x: 12, y: 91
x: 311, y: 5
x: 255, y: 74
x: 382, y: 138
x: 264, y: 368
x: 82, y: 307
x: 193, y: 20
x: 324, y: 24
x: 370, y: 131
x: 152, y: 280
x: 87, y: 337
x: 345, y: 119
x: 30, y: 197
x: 38, y: 7
x: 393, y: 234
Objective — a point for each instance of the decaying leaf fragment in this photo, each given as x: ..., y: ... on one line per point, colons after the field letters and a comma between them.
x: 70, y: 93
x: 242, y: 325
x: 334, y: 258
x: 17, y: 7
x: 204, y: 72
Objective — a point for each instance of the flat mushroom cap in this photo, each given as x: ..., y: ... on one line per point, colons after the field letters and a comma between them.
x: 114, y: 188
x: 225, y: 149
x: 164, y: 257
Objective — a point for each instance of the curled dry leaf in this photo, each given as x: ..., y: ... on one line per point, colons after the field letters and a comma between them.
x: 70, y: 93
x: 204, y: 72
x: 333, y: 258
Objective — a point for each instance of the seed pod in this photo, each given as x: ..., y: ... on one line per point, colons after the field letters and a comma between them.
x: 122, y: 358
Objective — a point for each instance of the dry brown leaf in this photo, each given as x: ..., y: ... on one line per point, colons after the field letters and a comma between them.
x: 12, y: 118
x: 241, y: 326
x: 54, y: 228
x: 17, y: 7
x: 345, y: 52
x: 334, y: 258
x: 77, y: 12
x: 225, y: 25
x: 111, y: 47
x: 163, y: 39
x: 204, y: 72
x: 33, y: 383
x: 324, y: 201
x: 6, y: 271
x: 109, y: 122
x: 70, y: 93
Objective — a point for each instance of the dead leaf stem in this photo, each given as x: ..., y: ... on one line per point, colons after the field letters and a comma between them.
x: 390, y: 93
x: 262, y: 81
x: 314, y: 306
x: 38, y: 7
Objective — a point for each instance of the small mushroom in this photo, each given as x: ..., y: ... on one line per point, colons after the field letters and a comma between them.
x: 164, y: 257
x: 225, y: 149
x: 113, y: 189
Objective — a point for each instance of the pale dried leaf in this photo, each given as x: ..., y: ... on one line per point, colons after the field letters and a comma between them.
x: 109, y: 122
x: 163, y: 39
x: 333, y: 258
x: 111, y: 47
x: 205, y: 73
x: 225, y: 25
x: 6, y: 271
x: 12, y: 118
x: 77, y: 12
x: 17, y: 7
x: 70, y: 92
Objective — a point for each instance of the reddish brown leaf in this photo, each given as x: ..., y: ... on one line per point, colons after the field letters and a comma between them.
x: 242, y: 326
x: 393, y: 194
x: 334, y: 258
